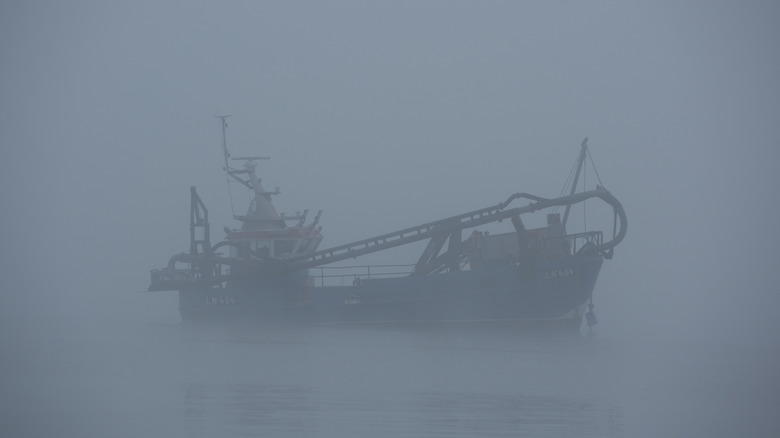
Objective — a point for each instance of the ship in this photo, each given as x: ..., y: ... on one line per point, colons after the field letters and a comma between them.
x: 271, y: 268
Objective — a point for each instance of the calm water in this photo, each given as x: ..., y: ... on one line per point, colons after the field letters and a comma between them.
x: 102, y: 377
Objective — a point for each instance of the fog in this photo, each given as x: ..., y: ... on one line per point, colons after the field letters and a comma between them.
x: 387, y: 115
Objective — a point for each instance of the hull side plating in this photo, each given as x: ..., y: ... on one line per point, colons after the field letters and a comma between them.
x: 557, y: 289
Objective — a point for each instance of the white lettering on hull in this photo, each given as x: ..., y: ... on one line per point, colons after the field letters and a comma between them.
x: 551, y: 274
x: 220, y: 300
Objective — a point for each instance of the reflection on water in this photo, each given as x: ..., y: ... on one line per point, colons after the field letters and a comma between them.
x: 100, y: 378
x: 287, y: 410
x: 392, y: 382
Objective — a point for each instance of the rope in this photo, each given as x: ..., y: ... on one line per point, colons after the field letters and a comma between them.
x: 584, y: 203
x: 594, y: 168
x: 567, y: 183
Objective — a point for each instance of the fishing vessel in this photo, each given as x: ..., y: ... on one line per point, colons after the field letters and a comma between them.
x: 271, y: 268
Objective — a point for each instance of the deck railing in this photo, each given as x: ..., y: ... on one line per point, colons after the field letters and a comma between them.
x: 580, y: 240
x: 352, y: 275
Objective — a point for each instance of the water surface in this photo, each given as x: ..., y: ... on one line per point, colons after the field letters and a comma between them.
x: 103, y: 377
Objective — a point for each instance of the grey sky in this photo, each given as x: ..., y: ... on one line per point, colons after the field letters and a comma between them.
x: 389, y: 114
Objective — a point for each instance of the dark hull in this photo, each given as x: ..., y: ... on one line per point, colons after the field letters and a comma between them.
x: 554, y: 293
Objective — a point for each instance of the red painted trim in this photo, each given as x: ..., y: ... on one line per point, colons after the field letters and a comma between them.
x: 287, y: 233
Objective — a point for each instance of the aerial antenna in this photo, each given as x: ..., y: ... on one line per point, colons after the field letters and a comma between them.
x: 226, y: 154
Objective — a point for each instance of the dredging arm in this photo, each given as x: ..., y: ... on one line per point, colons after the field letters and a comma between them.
x: 452, y: 224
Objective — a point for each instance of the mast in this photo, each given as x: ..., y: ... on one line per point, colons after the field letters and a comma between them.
x: 580, y: 163
x: 226, y: 155
x: 224, y: 140
x: 261, y: 213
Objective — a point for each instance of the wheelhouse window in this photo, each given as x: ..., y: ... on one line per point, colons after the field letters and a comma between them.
x: 283, y: 248
x: 303, y: 247
x: 262, y: 247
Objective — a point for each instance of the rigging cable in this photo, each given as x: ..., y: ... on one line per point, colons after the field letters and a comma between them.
x: 566, y: 183
x: 594, y: 168
x: 584, y: 188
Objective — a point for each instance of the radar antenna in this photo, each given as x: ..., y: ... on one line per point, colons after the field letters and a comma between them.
x: 251, y: 181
